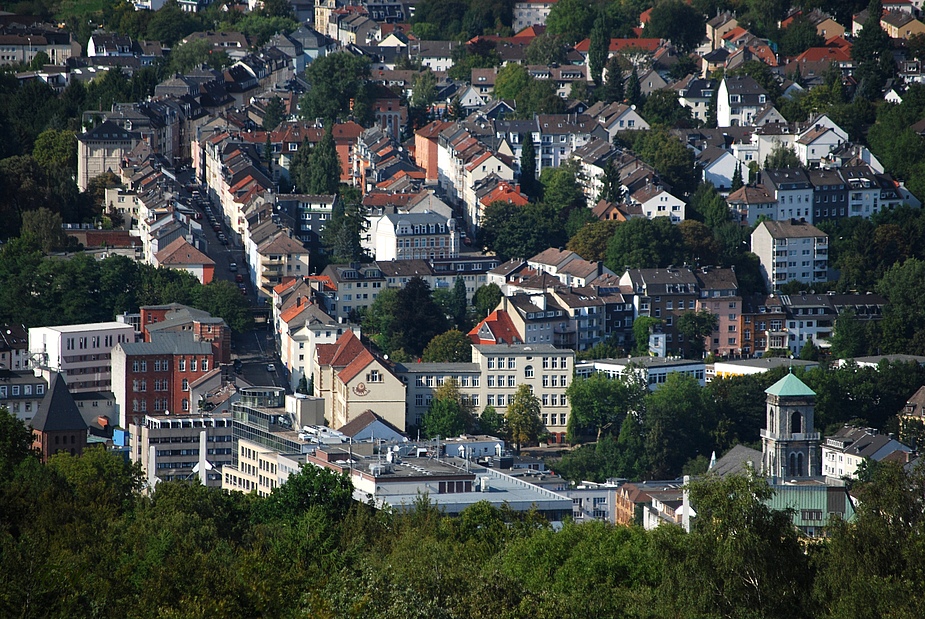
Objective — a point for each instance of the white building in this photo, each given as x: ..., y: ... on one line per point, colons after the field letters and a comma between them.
x: 409, y: 236
x: 531, y: 12
x: 81, y: 353
x: 790, y: 250
x: 653, y: 371
x: 844, y: 451
x: 739, y: 100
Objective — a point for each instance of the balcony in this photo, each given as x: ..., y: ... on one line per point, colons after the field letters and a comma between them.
x: 805, y: 436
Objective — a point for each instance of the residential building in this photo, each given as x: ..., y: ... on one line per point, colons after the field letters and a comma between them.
x: 763, y: 324
x: 719, y: 295
x: 182, y: 256
x: 728, y: 368
x: 58, y: 426
x: 790, y: 250
x: 793, y: 191
x: 82, y: 353
x: 279, y: 257
x: 749, y: 203
x: 664, y: 294
x: 422, y: 379
x: 531, y: 13
x: 354, y: 287
x: 408, y: 236
x: 695, y: 94
x: 14, y: 347
x: 177, y: 318
x: 101, y: 150
x: 22, y: 393
x: 739, y: 100
x: 830, y: 194
x: 912, y: 420
x: 310, y: 213
x: 846, y: 450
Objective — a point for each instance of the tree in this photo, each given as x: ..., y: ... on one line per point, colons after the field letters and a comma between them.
x: 222, y: 298
x: 512, y: 79
x: 491, y: 423
x: 665, y: 152
x: 561, y: 188
x: 15, y: 443
x: 662, y: 107
x: 193, y: 54
x: 336, y: 81
x: 598, y: 50
x: 450, y: 347
x: 678, y: 22
x: 274, y: 114
x: 46, y: 228
x: 311, y: 487
x: 695, y: 326
x: 523, y: 417
x: 600, y: 402
x: 677, y: 420
x: 528, y: 184
x: 737, y: 182
x: 873, y: 53
x: 418, y: 319
x: 633, y: 88
x: 810, y: 352
x: 486, y: 299
x: 591, y: 241
x: 849, y: 340
x: 514, y: 231
x: 459, y: 304
x: 612, y: 90
x: 424, y: 89
x: 324, y: 167
x: 782, y: 157
x: 903, y: 324
x: 799, y: 36
x: 572, y: 19
x: 546, y: 49
x: 444, y: 419
x: 644, y: 243
x: 55, y: 148
x: 700, y: 244
x: 539, y: 97
x: 642, y: 328
x: 730, y: 565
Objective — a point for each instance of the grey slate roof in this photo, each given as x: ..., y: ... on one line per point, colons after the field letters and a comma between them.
x: 58, y: 412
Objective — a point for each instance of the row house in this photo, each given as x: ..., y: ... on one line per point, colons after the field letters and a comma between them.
x: 560, y: 135
x: 568, y: 267
x: 561, y: 77
x: 409, y: 236
x: 719, y: 295
x: 739, y: 101
x: 696, y: 93
x: 278, y: 257
x: 811, y: 317
x: 612, y: 118
x: 378, y: 158
x: 14, y: 347
x: 594, y: 158
x: 178, y: 318
x: 763, y: 325
x: 664, y: 294
x: 101, y: 149
x: 21, y: 393
x: 20, y: 45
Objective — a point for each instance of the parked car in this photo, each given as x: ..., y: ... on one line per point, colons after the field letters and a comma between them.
x: 271, y: 367
x: 233, y: 267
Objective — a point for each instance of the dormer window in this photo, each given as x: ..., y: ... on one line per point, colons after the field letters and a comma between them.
x: 762, y: 99
x: 733, y: 98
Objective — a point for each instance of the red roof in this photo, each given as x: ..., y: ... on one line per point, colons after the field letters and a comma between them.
x: 356, y: 366
x: 818, y: 54
x: 288, y: 282
x: 504, y: 192
x: 616, y: 45
x: 292, y: 312
x: 501, y: 327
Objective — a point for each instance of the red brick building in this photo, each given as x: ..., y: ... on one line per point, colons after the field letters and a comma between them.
x: 58, y: 426
x: 177, y: 318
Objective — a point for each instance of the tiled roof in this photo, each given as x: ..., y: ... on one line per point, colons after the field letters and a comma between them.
x: 180, y: 252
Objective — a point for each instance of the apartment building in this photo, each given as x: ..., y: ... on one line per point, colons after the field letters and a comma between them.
x: 719, y: 294
x: 182, y: 447
x: 81, y: 353
x: 790, y: 250
x: 664, y: 294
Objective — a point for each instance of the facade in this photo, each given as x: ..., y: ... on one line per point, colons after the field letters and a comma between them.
x: 739, y: 100
x: 790, y: 250
x: 101, y: 150
x: 277, y: 258
x: 531, y: 13
x: 310, y: 213
x: 790, y: 444
x: 14, y: 347
x: 80, y: 353
x: 844, y: 451
x: 652, y: 371
x: 182, y: 256
x: 22, y: 393
x: 176, y: 447
x: 409, y: 236
x: 664, y: 294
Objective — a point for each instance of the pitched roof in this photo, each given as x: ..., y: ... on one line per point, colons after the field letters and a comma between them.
x: 356, y: 366
x: 789, y: 387
x: 180, y: 252
x: 342, y: 352
x: 365, y: 419
x: 500, y: 325
x: 58, y: 412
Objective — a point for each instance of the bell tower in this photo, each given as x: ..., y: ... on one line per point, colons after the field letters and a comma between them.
x: 790, y: 444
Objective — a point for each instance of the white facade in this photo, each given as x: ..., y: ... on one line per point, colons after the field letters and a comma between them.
x: 653, y: 371
x: 413, y: 236
x: 531, y: 12
x: 790, y: 251
x: 81, y: 353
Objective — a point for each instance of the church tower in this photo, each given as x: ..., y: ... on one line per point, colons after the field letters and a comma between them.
x: 790, y: 444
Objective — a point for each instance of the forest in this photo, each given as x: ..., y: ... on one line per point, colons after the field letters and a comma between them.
x: 79, y: 537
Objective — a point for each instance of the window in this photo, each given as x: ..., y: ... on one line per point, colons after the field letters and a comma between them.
x: 185, y: 385
x: 182, y: 367
x: 528, y: 371
x: 545, y: 363
x: 204, y: 365
x: 491, y: 363
x: 511, y: 363
x: 491, y: 380
x: 501, y: 399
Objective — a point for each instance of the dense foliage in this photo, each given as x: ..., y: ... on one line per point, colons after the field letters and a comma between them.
x: 79, y: 539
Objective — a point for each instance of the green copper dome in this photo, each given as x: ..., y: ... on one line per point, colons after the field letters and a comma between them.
x: 790, y: 386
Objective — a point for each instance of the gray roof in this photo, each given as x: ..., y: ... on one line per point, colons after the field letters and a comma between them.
x: 736, y: 460
x: 787, y: 229
x: 521, y: 348
x: 435, y: 368
x: 58, y: 412
x: 168, y: 344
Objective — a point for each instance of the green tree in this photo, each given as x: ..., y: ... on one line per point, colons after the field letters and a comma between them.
x: 444, y: 418
x: 517, y: 231
x: 591, y: 241
x: 311, y: 487
x: 642, y: 327
x: 324, y: 168
x: 486, y: 299
x: 903, y: 324
x: 633, y: 88
x: 665, y: 152
x: 571, y: 19
x: 511, y: 80
x: 662, y: 108
x: 700, y: 244
x: 523, y: 417
x: 695, y: 326
x: 799, y: 36
x: 15, y: 443
x: 45, y: 228
x: 195, y: 53
x: 644, y: 243
x: 275, y: 114
x: 528, y: 184
x: 222, y: 298
x: 678, y: 22
x: 613, y: 89
x: 417, y: 317
x: 849, y: 339
x: 873, y: 53
x: 600, y: 402
x: 459, y: 305
x: 730, y: 563
x: 562, y: 189
x: 677, y: 420
x: 539, y: 97
x: 424, y: 89
x: 450, y: 347
x: 737, y: 182
x: 599, y: 49
x: 782, y: 157
x: 55, y: 148
x: 546, y: 49
x: 491, y: 422
x: 336, y: 81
